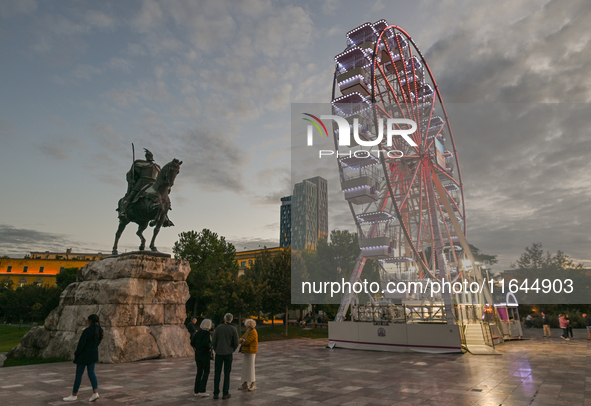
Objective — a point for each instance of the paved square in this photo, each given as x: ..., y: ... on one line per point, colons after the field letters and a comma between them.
x: 303, y: 372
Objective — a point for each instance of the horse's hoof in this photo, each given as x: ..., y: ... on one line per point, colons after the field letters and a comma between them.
x: 115, y: 252
x: 142, y: 248
x: 154, y: 249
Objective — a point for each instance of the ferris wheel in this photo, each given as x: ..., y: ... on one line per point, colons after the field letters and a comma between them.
x: 405, y: 192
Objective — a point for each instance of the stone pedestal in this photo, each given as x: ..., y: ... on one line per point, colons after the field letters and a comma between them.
x: 140, y: 301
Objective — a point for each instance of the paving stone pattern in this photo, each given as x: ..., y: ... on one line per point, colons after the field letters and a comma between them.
x: 303, y: 372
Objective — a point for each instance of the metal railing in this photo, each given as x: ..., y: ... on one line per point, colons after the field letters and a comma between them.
x: 398, y: 313
x: 488, y: 340
x: 468, y: 314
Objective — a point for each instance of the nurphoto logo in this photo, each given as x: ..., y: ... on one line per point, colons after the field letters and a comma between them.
x: 394, y: 127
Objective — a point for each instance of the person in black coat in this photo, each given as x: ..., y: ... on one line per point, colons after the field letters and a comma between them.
x: 569, y: 329
x: 587, y: 321
x: 546, y: 325
x: 192, y: 326
x: 86, y: 356
x: 201, y: 342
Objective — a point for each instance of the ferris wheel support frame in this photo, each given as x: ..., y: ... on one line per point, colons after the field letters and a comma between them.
x: 462, y: 239
x: 348, y: 297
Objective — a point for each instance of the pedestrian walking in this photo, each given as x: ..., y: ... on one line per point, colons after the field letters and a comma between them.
x: 546, y: 325
x: 224, y: 343
x: 86, y: 355
x: 564, y: 326
x: 201, y: 342
x: 569, y: 327
x: 587, y: 321
x: 250, y: 345
x: 529, y: 321
x: 192, y: 326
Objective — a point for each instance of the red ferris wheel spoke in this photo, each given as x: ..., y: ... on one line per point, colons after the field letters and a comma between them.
x: 420, y: 206
x: 449, y: 237
x: 403, y: 201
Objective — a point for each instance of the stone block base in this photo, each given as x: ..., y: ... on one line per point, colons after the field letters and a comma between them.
x: 140, y: 302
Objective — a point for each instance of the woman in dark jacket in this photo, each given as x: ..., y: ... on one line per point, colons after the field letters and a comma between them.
x: 86, y: 356
x: 201, y: 342
x: 569, y: 328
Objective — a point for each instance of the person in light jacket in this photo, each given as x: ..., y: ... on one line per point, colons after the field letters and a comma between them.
x: 86, y: 356
x: 250, y: 345
x: 564, y: 326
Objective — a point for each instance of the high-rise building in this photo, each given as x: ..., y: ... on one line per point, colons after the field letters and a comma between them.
x: 285, y: 226
x: 309, y: 219
x: 322, y: 210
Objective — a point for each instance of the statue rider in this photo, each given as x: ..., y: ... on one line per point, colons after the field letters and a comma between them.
x: 142, y: 173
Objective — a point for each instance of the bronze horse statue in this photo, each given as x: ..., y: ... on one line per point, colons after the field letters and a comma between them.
x: 150, y: 207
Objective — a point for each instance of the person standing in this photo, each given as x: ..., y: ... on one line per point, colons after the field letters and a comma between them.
x: 192, y: 326
x: 569, y: 326
x: 201, y: 342
x: 564, y: 326
x: 587, y: 321
x: 86, y: 356
x: 250, y: 345
x: 546, y: 325
x: 224, y: 343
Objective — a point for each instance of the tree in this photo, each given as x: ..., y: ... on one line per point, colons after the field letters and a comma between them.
x: 29, y: 302
x: 6, y: 298
x: 299, y: 274
x: 212, y: 261
x: 533, y: 258
x: 65, y: 277
x: 276, y: 284
x: 221, y: 294
x: 536, y: 266
x: 246, y: 298
x: 482, y: 257
x: 6, y: 284
x: 564, y: 261
x: 335, y: 260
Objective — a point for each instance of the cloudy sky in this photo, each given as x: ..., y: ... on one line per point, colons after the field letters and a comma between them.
x: 211, y: 83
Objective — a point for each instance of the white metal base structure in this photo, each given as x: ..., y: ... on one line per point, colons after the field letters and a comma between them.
x: 406, y: 197
x: 426, y: 338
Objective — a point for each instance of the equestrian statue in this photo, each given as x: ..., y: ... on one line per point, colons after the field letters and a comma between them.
x: 146, y: 201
